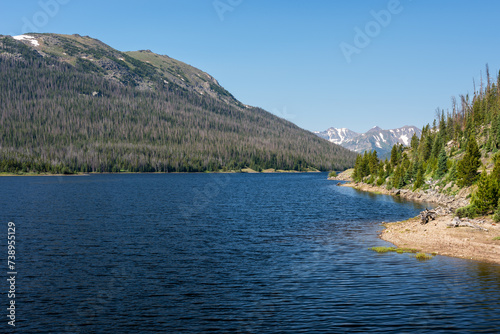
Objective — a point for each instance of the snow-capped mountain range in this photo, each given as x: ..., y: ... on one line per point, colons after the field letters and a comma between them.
x: 374, y: 139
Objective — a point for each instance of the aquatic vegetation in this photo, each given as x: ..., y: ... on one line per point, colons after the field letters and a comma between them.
x: 382, y: 249
x: 423, y: 256
x: 407, y: 250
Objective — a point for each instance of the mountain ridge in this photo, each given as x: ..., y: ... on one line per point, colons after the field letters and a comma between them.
x: 71, y: 103
x: 374, y: 139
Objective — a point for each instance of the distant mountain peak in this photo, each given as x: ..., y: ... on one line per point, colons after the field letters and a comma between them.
x: 374, y: 139
x: 337, y: 136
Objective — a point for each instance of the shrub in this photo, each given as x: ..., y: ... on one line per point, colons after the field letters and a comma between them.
x: 380, y: 181
x: 469, y: 211
x: 332, y: 174
x: 496, y: 216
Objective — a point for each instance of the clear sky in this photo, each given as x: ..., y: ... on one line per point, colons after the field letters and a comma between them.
x: 318, y: 63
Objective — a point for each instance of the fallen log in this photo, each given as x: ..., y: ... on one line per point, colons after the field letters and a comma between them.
x: 457, y: 222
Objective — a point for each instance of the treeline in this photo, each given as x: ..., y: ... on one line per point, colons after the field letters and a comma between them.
x: 460, y: 149
x: 59, y: 118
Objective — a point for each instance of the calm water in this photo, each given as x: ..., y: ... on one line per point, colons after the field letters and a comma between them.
x: 243, y: 253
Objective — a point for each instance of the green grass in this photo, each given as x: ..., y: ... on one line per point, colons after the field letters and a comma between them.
x: 496, y: 238
x: 423, y: 256
x: 419, y: 256
x: 406, y: 250
x: 382, y: 249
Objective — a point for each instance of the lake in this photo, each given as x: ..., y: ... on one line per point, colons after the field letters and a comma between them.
x: 226, y: 253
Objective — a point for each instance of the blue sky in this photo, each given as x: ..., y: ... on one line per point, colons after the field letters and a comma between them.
x: 289, y: 56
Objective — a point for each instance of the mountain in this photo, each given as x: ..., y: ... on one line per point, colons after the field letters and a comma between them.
x: 70, y: 103
x: 375, y: 139
x: 337, y: 136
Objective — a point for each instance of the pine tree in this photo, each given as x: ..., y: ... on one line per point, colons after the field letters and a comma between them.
x: 485, y: 198
x: 496, y: 217
x: 495, y: 174
x: 426, y: 147
x: 381, y: 174
x: 373, y: 163
x: 394, y: 155
x: 357, y: 174
x: 496, y: 132
x: 442, y: 163
x: 414, y: 142
x: 436, y: 147
x: 468, y: 166
x: 419, y: 181
x: 388, y: 168
x: 398, y: 177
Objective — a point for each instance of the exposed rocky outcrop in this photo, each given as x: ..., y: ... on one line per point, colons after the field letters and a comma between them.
x: 344, y: 176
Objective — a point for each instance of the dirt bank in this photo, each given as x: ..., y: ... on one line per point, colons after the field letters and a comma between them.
x: 474, y: 243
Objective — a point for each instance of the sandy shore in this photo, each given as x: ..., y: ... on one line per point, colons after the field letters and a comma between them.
x: 436, y: 237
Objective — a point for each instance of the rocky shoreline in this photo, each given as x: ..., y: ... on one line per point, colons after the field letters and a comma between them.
x: 447, y: 235
x: 428, y: 196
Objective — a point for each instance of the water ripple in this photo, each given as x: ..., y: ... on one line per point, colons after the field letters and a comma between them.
x: 229, y: 253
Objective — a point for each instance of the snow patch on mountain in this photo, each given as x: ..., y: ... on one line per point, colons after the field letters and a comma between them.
x: 405, y: 140
x: 27, y: 38
x: 337, y: 136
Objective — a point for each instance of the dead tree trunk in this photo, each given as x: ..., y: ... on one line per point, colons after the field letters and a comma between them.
x: 426, y: 215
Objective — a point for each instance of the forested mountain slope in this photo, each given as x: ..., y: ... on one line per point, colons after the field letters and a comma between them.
x: 74, y: 104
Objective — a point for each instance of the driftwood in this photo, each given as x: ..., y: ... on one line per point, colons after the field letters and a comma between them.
x: 457, y: 222
x: 426, y: 215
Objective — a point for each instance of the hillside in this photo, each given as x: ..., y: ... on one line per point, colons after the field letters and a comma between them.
x: 458, y: 153
x: 374, y: 139
x: 74, y: 104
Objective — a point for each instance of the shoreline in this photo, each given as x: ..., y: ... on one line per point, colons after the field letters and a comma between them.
x: 434, y: 197
x: 246, y: 171
x: 437, y: 237
x: 481, y: 242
